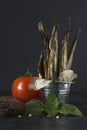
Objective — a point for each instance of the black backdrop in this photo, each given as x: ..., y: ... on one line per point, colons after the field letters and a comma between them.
x: 20, y: 41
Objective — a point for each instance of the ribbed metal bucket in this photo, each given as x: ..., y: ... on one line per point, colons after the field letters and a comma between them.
x: 51, y: 88
x: 63, y: 90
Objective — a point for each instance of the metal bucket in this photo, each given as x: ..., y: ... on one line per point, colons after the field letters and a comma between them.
x: 51, y: 88
x: 63, y: 90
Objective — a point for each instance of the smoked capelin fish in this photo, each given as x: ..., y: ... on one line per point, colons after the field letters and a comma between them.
x: 48, y: 63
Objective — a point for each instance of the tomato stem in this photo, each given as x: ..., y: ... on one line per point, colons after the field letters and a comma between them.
x: 28, y: 74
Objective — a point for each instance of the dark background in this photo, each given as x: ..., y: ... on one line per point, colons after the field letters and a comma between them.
x: 20, y: 41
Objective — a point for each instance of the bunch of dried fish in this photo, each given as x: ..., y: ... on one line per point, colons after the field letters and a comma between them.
x: 48, y: 64
x: 54, y: 59
x: 66, y: 57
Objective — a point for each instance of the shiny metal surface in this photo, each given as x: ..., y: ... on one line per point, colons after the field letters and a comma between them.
x: 51, y: 88
x: 63, y: 90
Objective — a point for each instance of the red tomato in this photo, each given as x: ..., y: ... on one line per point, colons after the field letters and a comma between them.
x: 21, y: 91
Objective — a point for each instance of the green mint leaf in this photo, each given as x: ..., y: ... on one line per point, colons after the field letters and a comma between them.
x: 51, y: 104
x: 51, y: 101
x: 34, y: 107
x: 66, y: 109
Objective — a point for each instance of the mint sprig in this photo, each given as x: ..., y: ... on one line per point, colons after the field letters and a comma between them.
x: 51, y: 107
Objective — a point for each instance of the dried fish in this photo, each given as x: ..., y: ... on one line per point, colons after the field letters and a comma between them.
x: 69, y: 64
x: 55, y: 67
x: 64, y: 52
x: 43, y: 63
x: 53, y: 54
x: 50, y: 59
